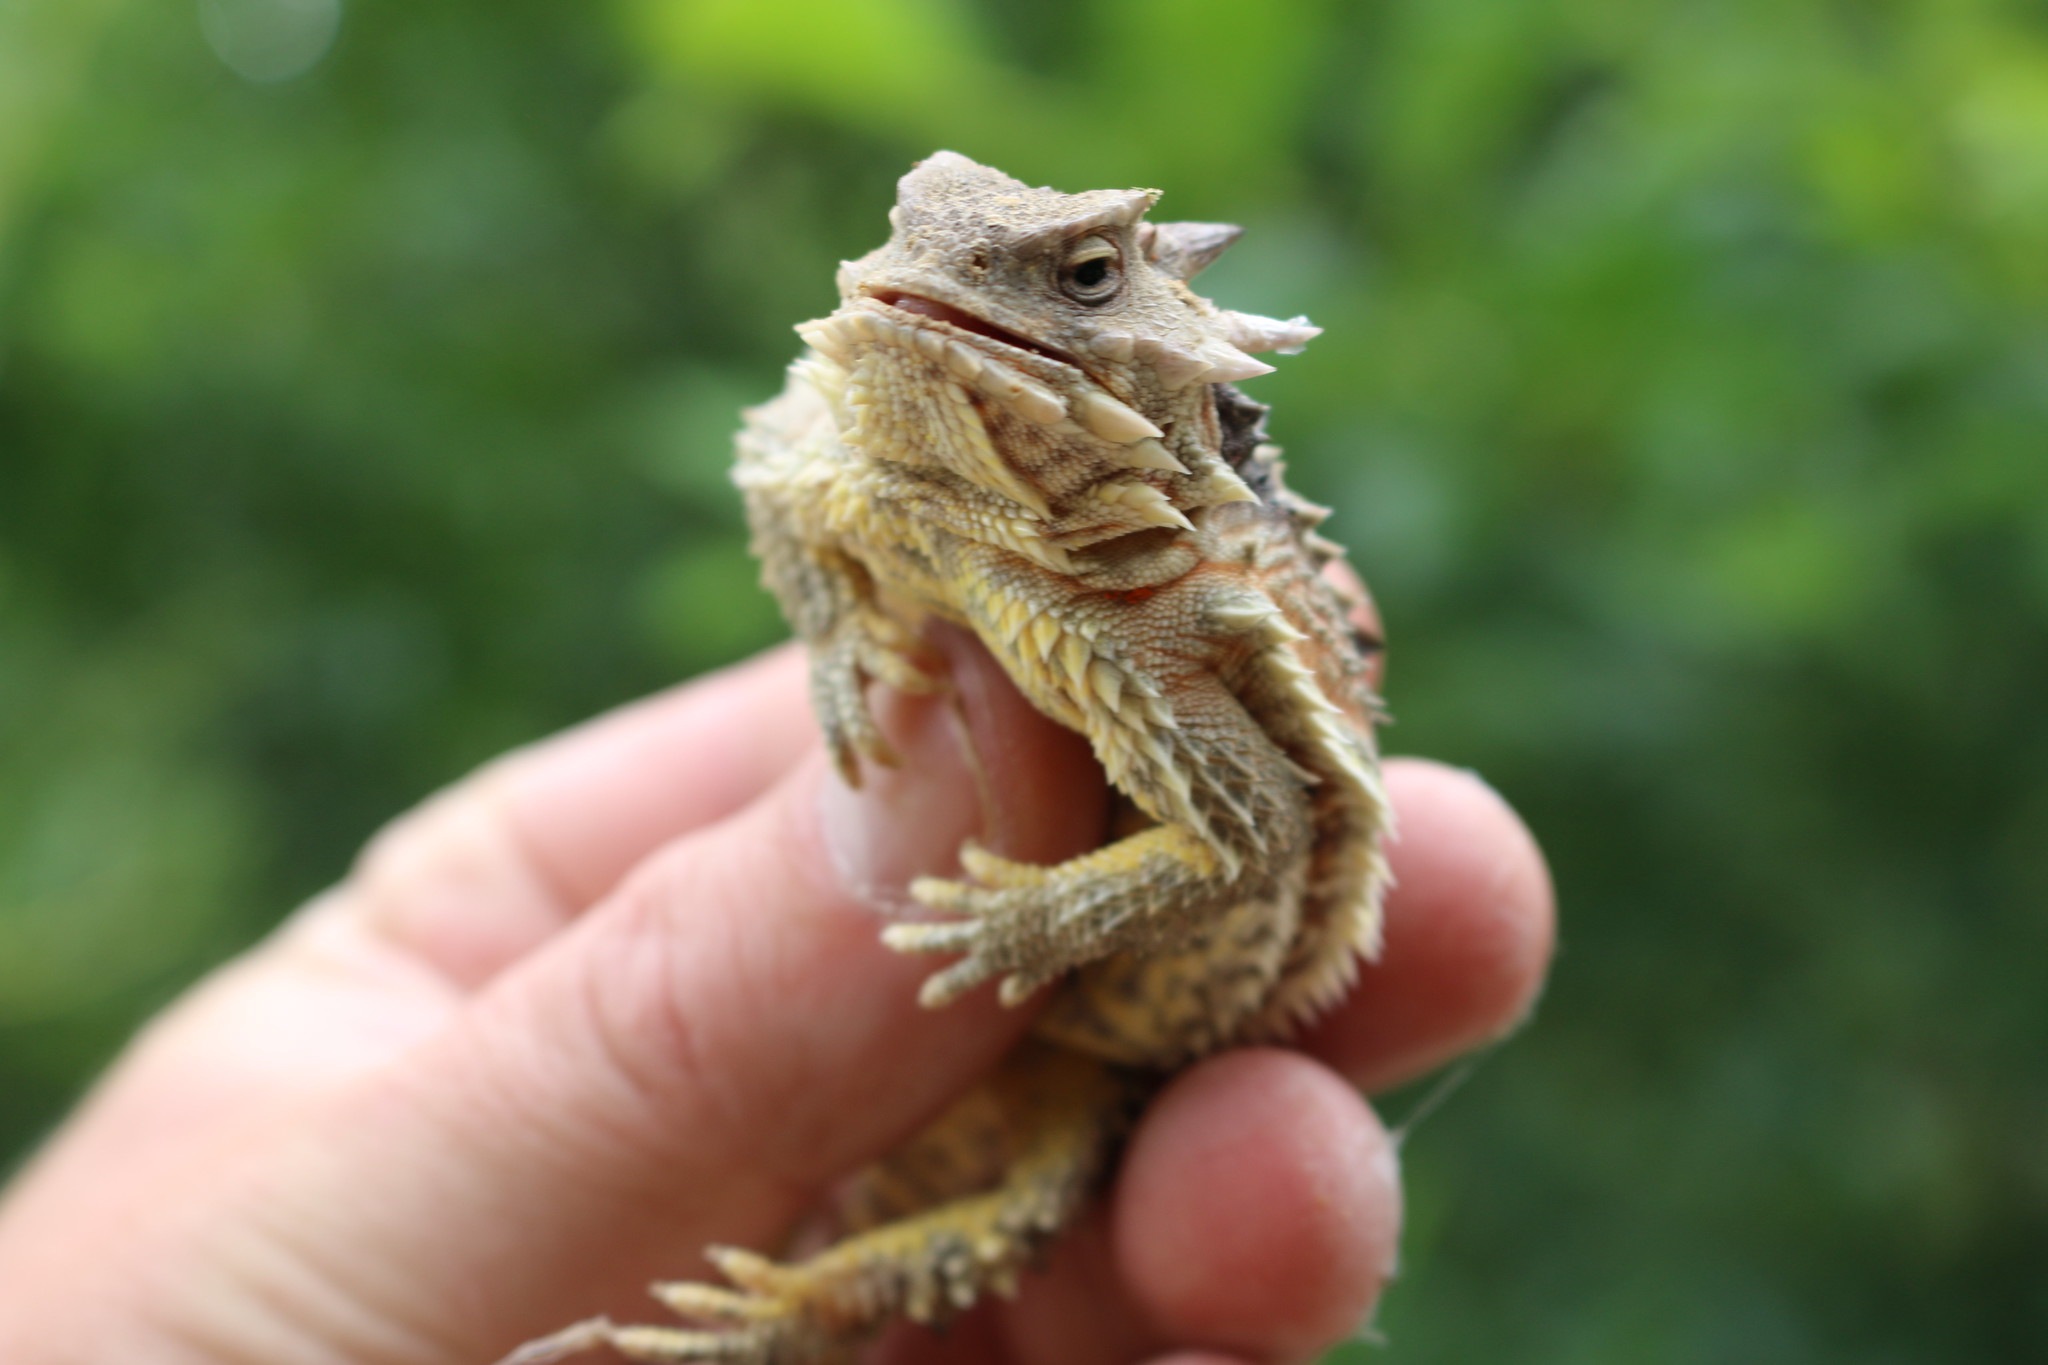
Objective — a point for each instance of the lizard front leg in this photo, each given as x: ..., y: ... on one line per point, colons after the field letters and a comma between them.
x: 830, y: 599
x: 1230, y: 805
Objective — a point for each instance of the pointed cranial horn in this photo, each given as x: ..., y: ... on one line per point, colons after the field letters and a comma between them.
x: 1186, y: 249
x: 1094, y: 210
x: 1250, y: 332
x: 1122, y: 208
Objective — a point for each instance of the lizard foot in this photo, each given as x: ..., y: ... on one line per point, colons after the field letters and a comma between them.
x: 757, y: 1344
x: 1062, y: 1114
x: 867, y: 646
x: 1027, y: 924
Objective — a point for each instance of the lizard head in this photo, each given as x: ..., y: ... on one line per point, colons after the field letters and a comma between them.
x: 1066, y: 322
x: 1082, y: 277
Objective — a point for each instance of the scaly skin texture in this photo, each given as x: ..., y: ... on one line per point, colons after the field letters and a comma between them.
x: 1022, y: 420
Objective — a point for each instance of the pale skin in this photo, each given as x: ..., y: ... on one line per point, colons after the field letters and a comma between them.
x: 621, y: 994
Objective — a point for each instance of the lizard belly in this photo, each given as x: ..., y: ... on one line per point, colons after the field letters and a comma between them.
x: 1163, y: 1009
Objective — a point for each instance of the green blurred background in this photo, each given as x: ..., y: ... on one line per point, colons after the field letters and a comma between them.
x: 366, y: 380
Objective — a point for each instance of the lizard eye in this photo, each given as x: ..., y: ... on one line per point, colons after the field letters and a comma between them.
x: 1092, y: 272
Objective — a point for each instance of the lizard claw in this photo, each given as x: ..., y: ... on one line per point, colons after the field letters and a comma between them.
x: 943, y: 988
x: 572, y: 1340
x: 940, y: 893
x: 1018, y: 987
x: 994, y: 925
x: 967, y: 935
x: 950, y: 936
x: 990, y: 872
x: 992, y: 869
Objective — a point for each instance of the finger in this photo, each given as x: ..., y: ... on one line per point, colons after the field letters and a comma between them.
x: 974, y: 1338
x: 693, y: 1060
x: 487, y: 870
x: 590, y: 804
x: 1258, y: 1209
x: 977, y: 1339
x: 1469, y: 928
x: 1079, y: 1310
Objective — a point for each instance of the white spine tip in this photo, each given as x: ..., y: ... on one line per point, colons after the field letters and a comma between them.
x: 1223, y: 486
x: 1177, y: 369
x: 1042, y: 406
x: 1150, y: 454
x: 1233, y: 366
x: 1143, y: 503
x: 1250, y: 332
x: 963, y: 362
x: 1113, y: 346
x: 1113, y: 421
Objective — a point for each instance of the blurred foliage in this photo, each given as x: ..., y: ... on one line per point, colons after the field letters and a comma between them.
x: 363, y: 410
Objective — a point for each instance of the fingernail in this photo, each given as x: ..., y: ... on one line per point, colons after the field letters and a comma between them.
x: 908, y: 820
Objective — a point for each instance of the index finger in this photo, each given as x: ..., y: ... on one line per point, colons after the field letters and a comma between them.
x: 592, y: 802
x: 487, y: 870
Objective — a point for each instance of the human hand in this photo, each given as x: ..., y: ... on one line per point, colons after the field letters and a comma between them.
x: 620, y: 994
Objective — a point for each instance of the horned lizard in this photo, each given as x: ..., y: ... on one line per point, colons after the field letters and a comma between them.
x: 1021, y: 419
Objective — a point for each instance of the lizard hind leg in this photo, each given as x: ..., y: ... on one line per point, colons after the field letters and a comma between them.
x: 1061, y: 1114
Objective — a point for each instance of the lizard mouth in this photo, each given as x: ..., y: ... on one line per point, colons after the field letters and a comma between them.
x: 968, y: 322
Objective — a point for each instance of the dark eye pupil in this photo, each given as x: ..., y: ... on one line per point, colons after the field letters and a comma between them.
x: 1091, y: 272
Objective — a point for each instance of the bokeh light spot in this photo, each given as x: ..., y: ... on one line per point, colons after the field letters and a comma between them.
x: 270, y: 40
